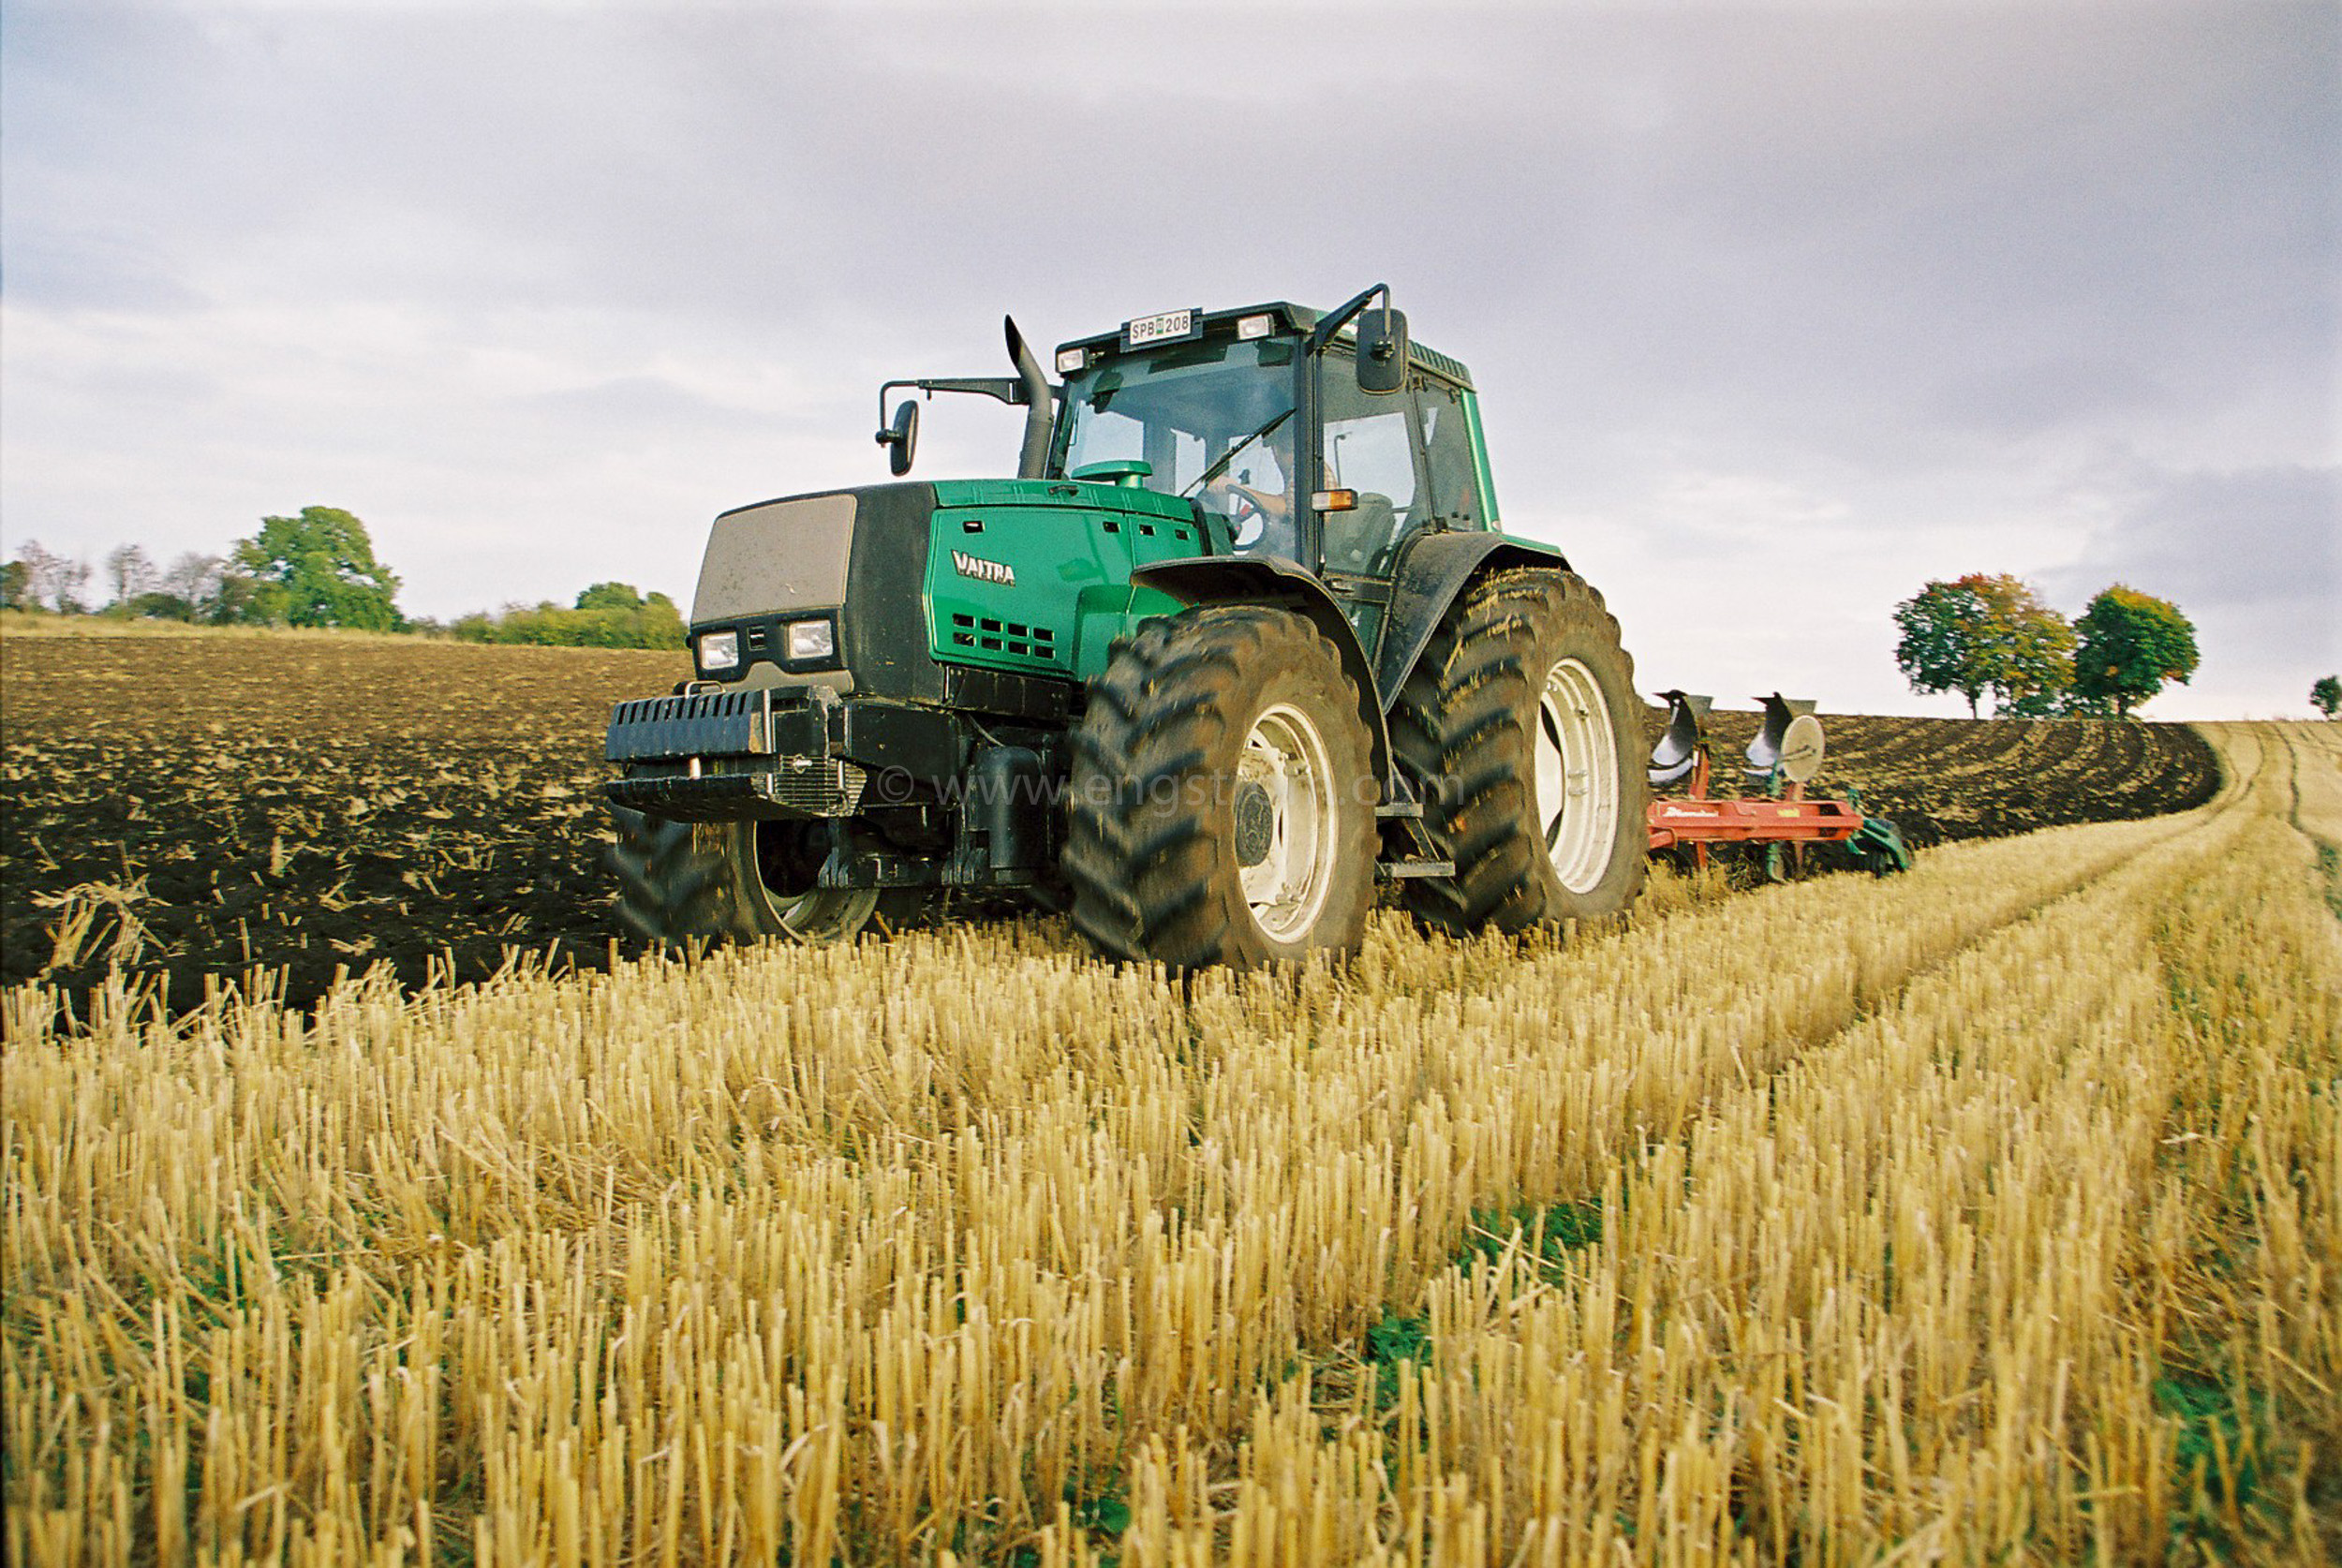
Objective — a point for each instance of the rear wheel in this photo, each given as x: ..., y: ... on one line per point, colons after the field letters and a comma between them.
x: 681, y: 882
x: 1523, y: 723
x: 1222, y: 795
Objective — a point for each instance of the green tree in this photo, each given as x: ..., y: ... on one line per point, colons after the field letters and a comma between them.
x: 2325, y: 695
x: 158, y: 605
x: 1936, y: 651
x: 2130, y: 644
x: 610, y: 595
x: 317, y: 569
x: 608, y: 615
x: 243, y: 599
x: 16, y: 586
x: 1982, y: 633
x: 2028, y: 650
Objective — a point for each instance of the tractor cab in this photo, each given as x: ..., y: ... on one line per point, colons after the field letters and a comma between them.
x: 1326, y: 441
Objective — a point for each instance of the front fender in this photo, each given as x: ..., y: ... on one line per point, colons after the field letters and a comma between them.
x: 1288, y: 585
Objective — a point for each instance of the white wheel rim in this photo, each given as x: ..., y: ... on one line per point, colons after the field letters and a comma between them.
x: 1286, y: 757
x: 815, y: 915
x: 828, y: 914
x: 1577, y: 776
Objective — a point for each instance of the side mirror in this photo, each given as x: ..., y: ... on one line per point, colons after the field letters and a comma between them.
x: 901, y: 439
x: 1382, y: 350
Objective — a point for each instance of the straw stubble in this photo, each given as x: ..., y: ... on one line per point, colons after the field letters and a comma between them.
x: 1989, y: 1210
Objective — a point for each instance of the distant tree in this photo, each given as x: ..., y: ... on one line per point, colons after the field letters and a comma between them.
x: 242, y: 600
x: 130, y: 572
x: 51, y: 581
x: 38, y: 579
x: 158, y: 605
x: 194, y: 579
x: 69, y: 579
x: 608, y: 615
x: 2130, y: 644
x: 2071, y: 703
x: 610, y: 595
x: 16, y: 585
x: 1936, y: 651
x: 2027, y: 649
x: 1982, y: 633
x: 661, y: 622
x: 2325, y: 695
x: 317, y: 570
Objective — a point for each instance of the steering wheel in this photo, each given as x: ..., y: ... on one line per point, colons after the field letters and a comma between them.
x: 1247, y: 517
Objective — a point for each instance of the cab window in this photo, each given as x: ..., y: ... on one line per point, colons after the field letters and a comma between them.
x: 1454, y: 478
x: 1212, y: 420
x: 1366, y: 446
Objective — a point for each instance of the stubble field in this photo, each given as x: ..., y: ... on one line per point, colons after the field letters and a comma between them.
x: 1991, y: 1212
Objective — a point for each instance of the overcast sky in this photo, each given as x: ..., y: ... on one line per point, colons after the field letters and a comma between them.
x: 1777, y: 310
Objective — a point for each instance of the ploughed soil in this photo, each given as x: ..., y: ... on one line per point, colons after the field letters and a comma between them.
x: 277, y: 810
x: 1942, y: 779
x: 204, y: 806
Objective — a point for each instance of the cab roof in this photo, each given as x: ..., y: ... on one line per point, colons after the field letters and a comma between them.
x: 1289, y: 320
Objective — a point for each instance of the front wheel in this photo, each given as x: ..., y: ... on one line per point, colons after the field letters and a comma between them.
x: 1222, y: 795
x: 1521, y: 721
x: 683, y: 883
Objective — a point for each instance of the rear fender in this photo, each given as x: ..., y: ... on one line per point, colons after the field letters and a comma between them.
x: 1433, y: 570
x: 1268, y: 580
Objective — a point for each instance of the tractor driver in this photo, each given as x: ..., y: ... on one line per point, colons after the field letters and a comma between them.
x: 1249, y: 488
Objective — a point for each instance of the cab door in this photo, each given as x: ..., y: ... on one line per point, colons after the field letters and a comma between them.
x: 1369, y: 445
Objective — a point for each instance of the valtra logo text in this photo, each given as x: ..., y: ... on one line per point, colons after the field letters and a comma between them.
x: 984, y: 571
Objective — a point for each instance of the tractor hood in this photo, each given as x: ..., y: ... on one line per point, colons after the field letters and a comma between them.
x: 903, y: 579
x: 1077, y: 493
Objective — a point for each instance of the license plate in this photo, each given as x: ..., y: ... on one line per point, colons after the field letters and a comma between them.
x: 1155, y: 329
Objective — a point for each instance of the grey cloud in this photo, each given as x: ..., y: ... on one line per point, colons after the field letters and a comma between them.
x: 90, y: 268
x: 2021, y: 398
x: 2256, y: 540
x: 644, y: 403
x: 1887, y: 253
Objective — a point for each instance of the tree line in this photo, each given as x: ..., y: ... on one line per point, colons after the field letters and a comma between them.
x: 1983, y: 634
x: 317, y: 569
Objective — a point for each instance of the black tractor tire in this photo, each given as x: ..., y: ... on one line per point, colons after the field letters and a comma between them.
x: 1222, y: 795
x: 684, y: 884
x: 1526, y: 670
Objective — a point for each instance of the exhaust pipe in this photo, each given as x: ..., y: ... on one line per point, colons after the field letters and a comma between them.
x: 1040, y: 404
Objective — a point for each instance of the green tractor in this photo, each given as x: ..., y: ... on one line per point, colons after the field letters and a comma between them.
x: 1239, y: 642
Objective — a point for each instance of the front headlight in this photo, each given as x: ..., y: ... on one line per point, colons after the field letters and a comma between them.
x: 720, y: 650
x: 811, y: 640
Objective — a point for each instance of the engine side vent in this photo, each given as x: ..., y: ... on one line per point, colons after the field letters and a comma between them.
x: 1004, y: 636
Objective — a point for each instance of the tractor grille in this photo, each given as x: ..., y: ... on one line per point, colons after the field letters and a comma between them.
x: 825, y: 789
